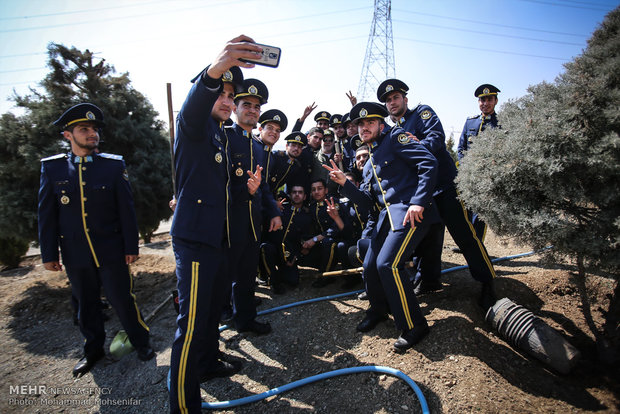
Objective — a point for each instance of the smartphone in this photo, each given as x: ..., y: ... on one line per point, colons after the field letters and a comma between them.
x: 270, y: 56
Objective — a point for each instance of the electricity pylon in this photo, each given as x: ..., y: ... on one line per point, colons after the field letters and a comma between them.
x: 379, y: 60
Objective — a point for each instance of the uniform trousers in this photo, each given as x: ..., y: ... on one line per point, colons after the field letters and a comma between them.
x: 201, y: 280
x: 117, y: 282
x: 454, y: 215
x: 427, y: 256
x: 389, y: 287
x: 273, y: 264
x: 243, y: 265
x: 479, y: 225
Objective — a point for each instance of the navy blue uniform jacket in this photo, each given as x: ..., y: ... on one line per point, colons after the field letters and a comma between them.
x: 400, y: 172
x: 247, y: 210
x: 201, y: 169
x: 108, y: 203
x: 473, y: 126
x: 424, y: 123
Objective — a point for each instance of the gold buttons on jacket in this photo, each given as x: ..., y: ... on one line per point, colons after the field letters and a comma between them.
x: 199, y: 201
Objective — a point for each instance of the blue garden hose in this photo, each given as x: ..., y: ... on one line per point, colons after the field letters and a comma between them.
x: 296, y: 384
x: 343, y: 371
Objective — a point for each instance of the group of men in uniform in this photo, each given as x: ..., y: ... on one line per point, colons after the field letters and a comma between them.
x: 240, y: 205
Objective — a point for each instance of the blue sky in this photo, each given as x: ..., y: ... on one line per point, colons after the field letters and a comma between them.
x: 443, y: 49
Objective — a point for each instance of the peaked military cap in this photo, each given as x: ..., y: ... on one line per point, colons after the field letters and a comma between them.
x: 254, y: 87
x: 232, y: 75
x: 274, y: 115
x: 322, y: 115
x: 365, y: 110
x: 335, y: 119
x: 296, y: 137
x: 346, y: 119
x: 326, y: 133
x: 84, y: 112
x: 390, y: 85
x: 356, y: 142
x: 486, y: 89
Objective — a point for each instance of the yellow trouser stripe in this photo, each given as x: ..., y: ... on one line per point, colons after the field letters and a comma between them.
x: 262, y: 253
x: 473, y: 232
x: 188, y: 338
x: 399, y: 285
x: 331, y: 257
x: 252, y: 221
x: 135, y: 304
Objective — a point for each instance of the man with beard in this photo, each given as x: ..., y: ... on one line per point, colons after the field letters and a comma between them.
x: 86, y: 209
x: 424, y: 125
x: 201, y: 226
x: 400, y: 176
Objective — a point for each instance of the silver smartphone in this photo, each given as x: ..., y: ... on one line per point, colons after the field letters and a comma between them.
x: 269, y: 57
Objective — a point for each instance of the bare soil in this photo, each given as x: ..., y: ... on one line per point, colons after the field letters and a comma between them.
x: 461, y: 366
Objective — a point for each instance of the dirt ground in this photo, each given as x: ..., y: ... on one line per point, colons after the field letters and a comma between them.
x: 461, y: 366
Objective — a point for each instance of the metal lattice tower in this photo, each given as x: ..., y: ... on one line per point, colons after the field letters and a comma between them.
x: 379, y: 60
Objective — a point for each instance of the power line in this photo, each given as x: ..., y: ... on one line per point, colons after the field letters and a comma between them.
x: 490, y: 23
x: 35, y: 16
x: 482, y: 49
x: 490, y: 33
x: 549, y: 3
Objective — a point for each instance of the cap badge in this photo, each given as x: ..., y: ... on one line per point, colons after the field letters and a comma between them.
x: 276, y: 118
x: 227, y: 76
x: 64, y: 199
x: 336, y: 120
x: 253, y: 90
x: 486, y: 90
x: 218, y: 157
x: 323, y: 114
x: 389, y: 88
x: 90, y: 115
x: 425, y: 115
x: 363, y: 113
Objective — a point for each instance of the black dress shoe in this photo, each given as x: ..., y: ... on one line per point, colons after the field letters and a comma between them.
x: 411, y: 337
x: 145, y: 353
x: 259, y: 328
x: 86, y: 363
x: 369, y: 322
x: 363, y: 296
x: 487, y: 296
x: 222, y: 369
x: 428, y: 286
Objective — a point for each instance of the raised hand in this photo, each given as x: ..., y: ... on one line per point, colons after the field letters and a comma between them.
x: 238, y: 48
x: 352, y: 98
x: 308, y: 111
x: 335, y: 174
x: 254, y: 180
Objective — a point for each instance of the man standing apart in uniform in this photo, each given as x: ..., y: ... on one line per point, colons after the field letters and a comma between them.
x: 487, y: 99
x: 400, y: 176
x: 200, y: 227
x: 86, y: 209
x: 422, y: 122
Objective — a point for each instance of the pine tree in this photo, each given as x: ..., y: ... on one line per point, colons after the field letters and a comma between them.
x: 551, y: 175
x: 131, y: 130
